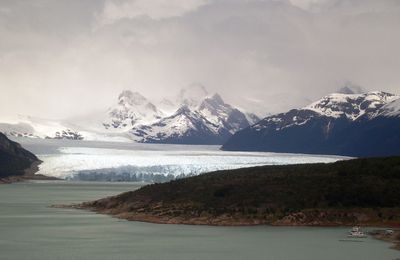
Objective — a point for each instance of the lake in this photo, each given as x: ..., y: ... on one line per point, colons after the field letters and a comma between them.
x: 30, y: 229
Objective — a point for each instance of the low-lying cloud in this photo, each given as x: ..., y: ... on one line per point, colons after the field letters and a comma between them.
x: 64, y: 58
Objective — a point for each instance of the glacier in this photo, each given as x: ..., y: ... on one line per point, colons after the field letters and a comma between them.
x: 101, y: 161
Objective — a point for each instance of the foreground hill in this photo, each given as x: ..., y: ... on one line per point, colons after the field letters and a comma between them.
x: 359, y: 125
x: 360, y: 191
x: 15, y: 160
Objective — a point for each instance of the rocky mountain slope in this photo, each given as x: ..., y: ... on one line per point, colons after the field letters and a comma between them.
x: 343, y: 124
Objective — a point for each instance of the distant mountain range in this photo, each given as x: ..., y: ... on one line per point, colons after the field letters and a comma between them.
x: 350, y: 122
x: 193, y: 117
x: 365, y: 124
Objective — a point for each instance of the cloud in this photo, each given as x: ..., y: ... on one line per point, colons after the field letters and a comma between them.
x: 347, y: 6
x: 309, y: 4
x: 53, y: 64
x: 155, y: 9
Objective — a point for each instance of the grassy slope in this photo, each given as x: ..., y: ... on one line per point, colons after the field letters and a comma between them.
x: 364, y: 191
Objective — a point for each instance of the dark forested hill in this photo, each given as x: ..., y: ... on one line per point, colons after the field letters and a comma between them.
x: 359, y: 191
x: 14, y: 159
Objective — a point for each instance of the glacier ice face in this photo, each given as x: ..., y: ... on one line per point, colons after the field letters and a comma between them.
x: 154, y: 163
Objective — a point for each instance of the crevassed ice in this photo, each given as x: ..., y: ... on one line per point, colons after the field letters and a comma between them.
x: 85, y: 163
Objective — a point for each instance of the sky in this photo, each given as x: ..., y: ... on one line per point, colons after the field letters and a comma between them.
x: 70, y: 57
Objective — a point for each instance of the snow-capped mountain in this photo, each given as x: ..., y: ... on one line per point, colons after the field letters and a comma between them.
x: 183, y: 127
x: 345, y: 124
x: 212, y: 121
x: 197, y: 119
x: 351, y: 106
x: 132, y: 109
x: 33, y: 127
x: 223, y: 115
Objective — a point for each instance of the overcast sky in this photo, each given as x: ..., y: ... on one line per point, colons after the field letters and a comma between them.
x: 68, y: 57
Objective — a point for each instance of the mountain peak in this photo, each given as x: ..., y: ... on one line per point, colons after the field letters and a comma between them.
x: 214, y: 104
x: 132, y: 109
x: 217, y: 98
x: 351, y: 106
x: 131, y: 98
x: 184, y: 109
x: 360, y: 125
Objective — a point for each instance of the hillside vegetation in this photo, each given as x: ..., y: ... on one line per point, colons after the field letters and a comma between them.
x: 359, y: 191
x: 14, y: 160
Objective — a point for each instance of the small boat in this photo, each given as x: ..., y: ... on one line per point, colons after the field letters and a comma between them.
x: 389, y: 232
x: 356, y: 232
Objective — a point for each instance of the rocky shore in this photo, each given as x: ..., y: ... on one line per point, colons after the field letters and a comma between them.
x: 29, y: 174
x: 17, y: 164
x: 317, y: 218
x: 391, y: 236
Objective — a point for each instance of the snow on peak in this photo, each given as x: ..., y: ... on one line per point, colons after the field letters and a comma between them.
x: 184, y: 122
x: 214, y: 102
x: 351, y: 106
x: 214, y: 109
x: 223, y: 115
x: 212, y: 118
x: 132, y: 109
x: 197, y: 118
x: 392, y: 109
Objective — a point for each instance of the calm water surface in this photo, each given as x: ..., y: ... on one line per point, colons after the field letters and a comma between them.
x: 29, y: 229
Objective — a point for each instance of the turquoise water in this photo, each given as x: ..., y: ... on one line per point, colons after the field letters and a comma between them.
x: 29, y: 229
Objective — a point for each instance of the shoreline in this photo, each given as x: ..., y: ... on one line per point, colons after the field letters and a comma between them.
x: 223, y: 220
x: 29, y: 174
x: 295, y: 195
x: 384, y: 235
x: 393, y: 239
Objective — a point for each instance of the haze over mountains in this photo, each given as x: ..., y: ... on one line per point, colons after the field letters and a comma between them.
x: 351, y: 122
x: 193, y: 117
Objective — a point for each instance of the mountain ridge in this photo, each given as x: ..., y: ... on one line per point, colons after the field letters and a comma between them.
x: 135, y: 118
x: 212, y: 121
x: 338, y: 124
